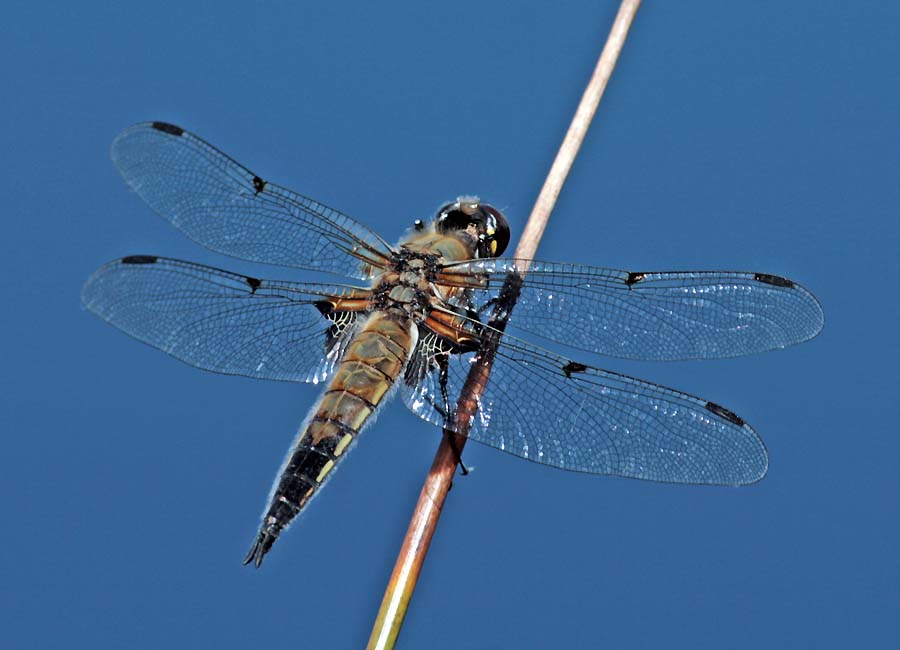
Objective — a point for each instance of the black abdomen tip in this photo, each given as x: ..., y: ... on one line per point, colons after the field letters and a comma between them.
x: 267, y: 536
x: 165, y: 127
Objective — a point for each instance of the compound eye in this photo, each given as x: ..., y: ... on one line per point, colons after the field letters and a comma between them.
x: 444, y: 210
x: 451, y: 217
x: 496, y: 228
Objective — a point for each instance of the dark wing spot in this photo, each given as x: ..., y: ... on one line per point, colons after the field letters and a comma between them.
x: 634, y: 278
x: 258, y: 184
x: 254, y: 283
x: 723, y: 412
x: 573, y: 366
x: 140, y: 259
x: 325, y: 307
x: 775, y: 280
x: 165, y: 127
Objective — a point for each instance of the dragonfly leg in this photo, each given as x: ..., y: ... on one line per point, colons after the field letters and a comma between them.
x: 451, y: 438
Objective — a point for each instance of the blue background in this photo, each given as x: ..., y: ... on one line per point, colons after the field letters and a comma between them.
x: 740, y: 135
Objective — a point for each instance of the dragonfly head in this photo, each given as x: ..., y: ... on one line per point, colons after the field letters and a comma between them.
x: 485, y: 223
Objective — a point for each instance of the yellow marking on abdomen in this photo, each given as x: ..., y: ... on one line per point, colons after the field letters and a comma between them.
x: 324, y: 472
x: 344, y: 407
x: 342, y: 445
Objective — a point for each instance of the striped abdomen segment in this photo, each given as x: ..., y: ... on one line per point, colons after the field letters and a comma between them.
x: 373, y: 361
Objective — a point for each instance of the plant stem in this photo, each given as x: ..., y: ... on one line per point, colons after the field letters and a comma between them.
x: 440, y: 478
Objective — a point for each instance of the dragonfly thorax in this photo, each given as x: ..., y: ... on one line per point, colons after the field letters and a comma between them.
x: 405, y: 291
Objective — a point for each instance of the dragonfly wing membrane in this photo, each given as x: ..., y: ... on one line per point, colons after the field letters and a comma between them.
x: 548, y: 409
x: 225, y: 322
x: 663, y: 316
x: 229, y: 209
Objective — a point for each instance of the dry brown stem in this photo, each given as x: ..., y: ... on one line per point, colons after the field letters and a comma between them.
x: 440, y: 477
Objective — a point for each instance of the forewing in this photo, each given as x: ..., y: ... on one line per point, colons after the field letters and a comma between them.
x: 663, y: 316
x: 226, y: 207
x: 221, y: 321
x: 548, y: 409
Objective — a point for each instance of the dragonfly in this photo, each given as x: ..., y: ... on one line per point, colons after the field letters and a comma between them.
x: 413, y: 318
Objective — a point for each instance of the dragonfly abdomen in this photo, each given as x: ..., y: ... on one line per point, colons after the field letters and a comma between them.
x: 373, y: 360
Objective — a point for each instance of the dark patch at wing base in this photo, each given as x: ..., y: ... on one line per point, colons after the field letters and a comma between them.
x: 325, y: 307
x: 215, y: 320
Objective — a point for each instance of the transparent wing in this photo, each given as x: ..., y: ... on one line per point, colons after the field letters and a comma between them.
x: 548, y: 409
x: 653, y: 316
x: 221, y: 321
x: 226, y: 207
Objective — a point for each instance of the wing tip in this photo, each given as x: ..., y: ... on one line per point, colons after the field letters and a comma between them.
x: 753, y: 463
x: 759, y: 467
x: 757, y: 471
x: 814, y: 306
x: 131, y: 260
x: 116, y: 151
